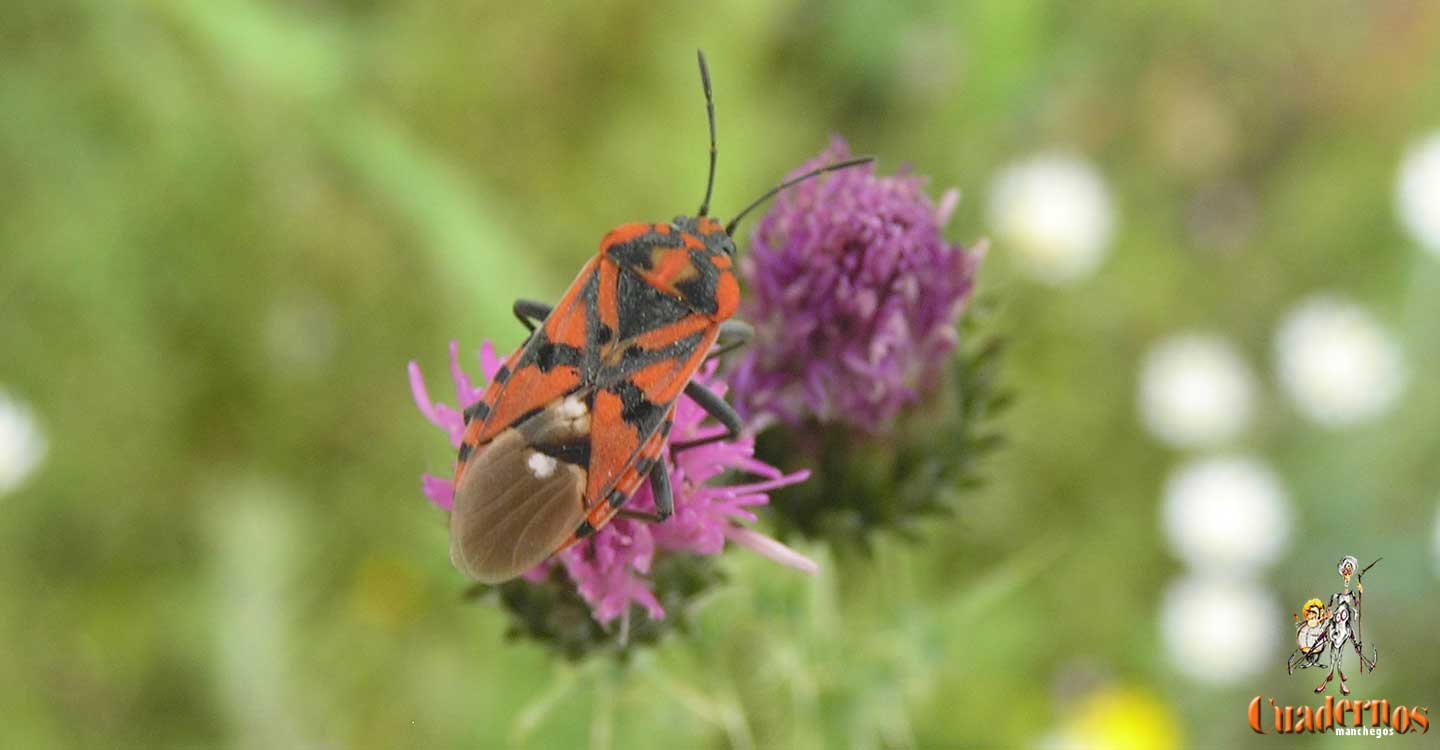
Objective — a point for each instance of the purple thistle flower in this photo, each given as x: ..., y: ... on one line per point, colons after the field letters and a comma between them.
x: 854, y: 298
x: 610, y: 571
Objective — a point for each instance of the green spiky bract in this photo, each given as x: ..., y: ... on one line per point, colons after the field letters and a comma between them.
x: 552, y: 614
x: 865, y: 485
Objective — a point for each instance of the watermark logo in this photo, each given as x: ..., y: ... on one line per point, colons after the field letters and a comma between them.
x: 1327, y: 632
x: 1324, y: 632
x: 1372, y: 718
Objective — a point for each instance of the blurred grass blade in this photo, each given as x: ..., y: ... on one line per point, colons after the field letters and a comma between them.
x: 529, y: 718
x: 1008, y: 578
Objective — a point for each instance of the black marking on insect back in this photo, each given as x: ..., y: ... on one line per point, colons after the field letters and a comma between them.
x: 616, y: 498
x: 637, y: 410
x: 633, y: 254
x: 464, y: 453
x: 584, y: 530
x: 635, y: 358
x: 637, y: 252
x: 501, y: 375
x: 577, y: 452
x: 699, y: 290
x: 548, y: 355
x: 479, y: 410
x: 643, y: 308
x: 596, y: 333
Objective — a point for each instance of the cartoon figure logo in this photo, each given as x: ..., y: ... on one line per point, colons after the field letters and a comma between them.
x: 1327, y: 628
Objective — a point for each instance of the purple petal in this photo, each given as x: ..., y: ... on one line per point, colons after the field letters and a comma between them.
x: 421, y: 396
x: 440, y: 491
x: 464, y: 394
x: 770, y: 549
x: 538, y: 574
x: 852, y: 272
x: 489, y: 363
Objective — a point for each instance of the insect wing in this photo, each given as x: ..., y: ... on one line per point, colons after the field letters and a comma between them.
x: 549, y: 366
x: 517, y: 502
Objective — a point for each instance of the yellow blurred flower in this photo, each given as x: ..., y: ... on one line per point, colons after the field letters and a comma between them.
x: 1121, y: 719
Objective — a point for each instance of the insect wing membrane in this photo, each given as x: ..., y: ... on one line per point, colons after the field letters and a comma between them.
x: 513, y: 506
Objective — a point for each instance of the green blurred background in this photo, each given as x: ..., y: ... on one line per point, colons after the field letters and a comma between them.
x: 227, y: 225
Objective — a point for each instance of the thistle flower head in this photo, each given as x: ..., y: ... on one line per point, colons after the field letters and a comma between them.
x: 612, y: 570
x: 857, y: 302
x: 854, y: 296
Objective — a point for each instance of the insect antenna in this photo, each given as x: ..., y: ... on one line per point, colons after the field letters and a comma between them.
x: 710, y: 115
x: 857, y: 161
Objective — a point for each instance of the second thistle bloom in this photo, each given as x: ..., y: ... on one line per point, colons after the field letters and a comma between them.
x: 854, y: 296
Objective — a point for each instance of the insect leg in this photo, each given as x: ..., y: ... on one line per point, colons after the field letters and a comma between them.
x: 529, y: 312
x: 733, y: 335
x: 715, y: 407
x: 660, y: 487
x: 664, y: 497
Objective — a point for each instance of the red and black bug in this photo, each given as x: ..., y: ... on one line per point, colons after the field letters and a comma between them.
x: 578, y: 417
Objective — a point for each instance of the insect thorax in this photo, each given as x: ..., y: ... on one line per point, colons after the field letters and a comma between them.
x: 688, y: 260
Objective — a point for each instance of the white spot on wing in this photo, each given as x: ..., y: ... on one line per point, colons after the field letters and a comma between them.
x: 541, y: 465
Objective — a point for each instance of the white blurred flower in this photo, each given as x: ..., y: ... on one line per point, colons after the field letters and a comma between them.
x: 1337, y: 363
x: 1417, y: 192
x: 1226, y: 514
x: 1220, y: 630
x: 1195, y: 390
x: 22, y: 444
x: 1053, y: 211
